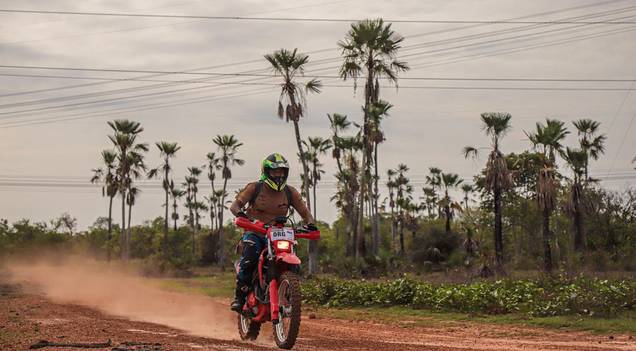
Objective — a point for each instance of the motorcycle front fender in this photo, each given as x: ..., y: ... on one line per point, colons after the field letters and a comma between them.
x: 288, y: 258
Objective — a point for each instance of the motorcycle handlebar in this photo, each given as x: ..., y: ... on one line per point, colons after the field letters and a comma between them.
x: 247, y: 224
x: 259, y: 227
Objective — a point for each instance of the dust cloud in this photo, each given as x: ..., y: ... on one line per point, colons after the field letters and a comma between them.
x: 118, y: 291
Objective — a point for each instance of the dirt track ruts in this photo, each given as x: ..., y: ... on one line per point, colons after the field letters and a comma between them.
x: 26, y: 318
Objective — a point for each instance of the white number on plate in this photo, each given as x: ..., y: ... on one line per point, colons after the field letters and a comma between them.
x: 282, y: 234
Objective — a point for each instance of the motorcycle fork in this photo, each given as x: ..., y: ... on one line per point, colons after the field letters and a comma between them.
x: 273, y: 290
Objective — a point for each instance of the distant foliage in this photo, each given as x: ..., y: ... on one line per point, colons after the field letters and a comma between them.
x: 542, y: 297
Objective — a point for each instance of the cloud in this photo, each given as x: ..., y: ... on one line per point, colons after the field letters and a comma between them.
x: 426, y: 127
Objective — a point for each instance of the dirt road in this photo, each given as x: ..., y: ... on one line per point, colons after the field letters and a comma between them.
x: 27, y: 317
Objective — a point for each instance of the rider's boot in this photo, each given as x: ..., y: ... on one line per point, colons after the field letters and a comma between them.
x: 240, y: 295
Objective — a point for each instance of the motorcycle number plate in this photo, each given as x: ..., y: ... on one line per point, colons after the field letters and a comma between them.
x: 282, y: 234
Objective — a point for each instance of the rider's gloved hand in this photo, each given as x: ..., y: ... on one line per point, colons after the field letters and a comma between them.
x: 311, y: 227
x: 242, y: 214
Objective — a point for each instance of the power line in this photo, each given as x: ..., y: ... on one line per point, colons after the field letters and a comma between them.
x: 514, y: 88
x: 404, y: 49
x: 525, y: 79
x: 126, y: 110
x: 159, y: 25
x: 523, y: 28
x: 524, y: 48
x: 292, y: 19
x: 620, y: 147
x: 338, y: 58
x: 407, y: 47
x: 559, y: 31
x: 409, y: 36
x: 421, y: 87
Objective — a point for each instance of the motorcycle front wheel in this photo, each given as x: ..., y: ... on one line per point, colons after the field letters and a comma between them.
x: 248, y: 329
x: 286, y: 331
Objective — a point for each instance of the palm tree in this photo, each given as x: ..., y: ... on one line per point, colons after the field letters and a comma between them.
x: 369, y: 50
x: 377, y: 111
x: 176, y: 194
x: 214, y: 164
x: 338, y: 123
x: 391, y: 184
x: 109, y: 188
x: 131, y: 199
x: 576, y: 159
x: 124, y: 140
x: 449, y: 181
x: 315, y: 147
x: 194, y: 173
x: 498, y: 179
x: 592, y: 144
x: 289, y: 64
x: 192, y: 182
x: 435, y: 182
x: 430, y: 198
x: 137, y: 169
x: 467, y: 189
x: 228, y: 147
x: 403, y: 199
x: 189, y: 201
x: 549, y: 138
x: 166, y: 150
x: 348, y: 188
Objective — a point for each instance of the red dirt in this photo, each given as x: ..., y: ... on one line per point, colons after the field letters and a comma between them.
x: 63, y: 309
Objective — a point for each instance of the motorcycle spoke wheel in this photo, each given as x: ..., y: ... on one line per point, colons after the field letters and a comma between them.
x: 289, y: 299
x: 248, y: 329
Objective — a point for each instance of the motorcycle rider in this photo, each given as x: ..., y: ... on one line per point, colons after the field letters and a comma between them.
x: 266, y: 199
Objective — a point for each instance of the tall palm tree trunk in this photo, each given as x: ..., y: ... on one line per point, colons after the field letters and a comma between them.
x: 122, y: 239
x: 376, y: 217
x: 164, y: 244
x: 547, y: 251
x: 579, y: 239
x: 174, y: 211
x: 313, y: 245
x: 447, y: 213
x: 498, y: 227
x: 359, y: 233
x: 314, y: 191
x: 110, y: 228
x: 196, y: 224
x: 402, y: 249
x: 128, y: 234
x: 221, y: 251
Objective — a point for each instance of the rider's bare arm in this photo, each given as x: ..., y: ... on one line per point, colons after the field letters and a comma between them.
x: 242, y: 198
x: 299, y: 204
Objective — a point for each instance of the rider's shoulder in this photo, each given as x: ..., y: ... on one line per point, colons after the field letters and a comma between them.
x: 249, y: 187
x: 293, y: 190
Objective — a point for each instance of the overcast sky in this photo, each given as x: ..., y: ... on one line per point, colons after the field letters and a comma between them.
x: 60, y: 140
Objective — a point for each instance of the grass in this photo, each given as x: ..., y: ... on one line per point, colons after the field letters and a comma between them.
x: 218, y: 284
x: 221, y: 285
x: 406, y: 317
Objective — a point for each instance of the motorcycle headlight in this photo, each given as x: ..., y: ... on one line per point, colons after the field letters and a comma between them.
x: 282, y: 245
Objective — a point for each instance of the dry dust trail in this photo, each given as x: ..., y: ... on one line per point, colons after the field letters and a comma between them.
x: 114, y: 291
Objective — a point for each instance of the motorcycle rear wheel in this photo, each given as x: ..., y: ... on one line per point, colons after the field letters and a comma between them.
x: 289, y: 299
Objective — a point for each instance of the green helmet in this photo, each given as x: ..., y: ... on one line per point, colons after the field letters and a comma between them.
x: 274, y: 161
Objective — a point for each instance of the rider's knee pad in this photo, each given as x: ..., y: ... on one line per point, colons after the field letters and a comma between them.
x: 249, y: 261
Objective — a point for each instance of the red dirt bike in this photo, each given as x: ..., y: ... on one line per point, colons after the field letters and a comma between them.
x: 275, y: 295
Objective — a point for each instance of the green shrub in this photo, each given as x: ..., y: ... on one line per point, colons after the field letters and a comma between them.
x: 539, y: 297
